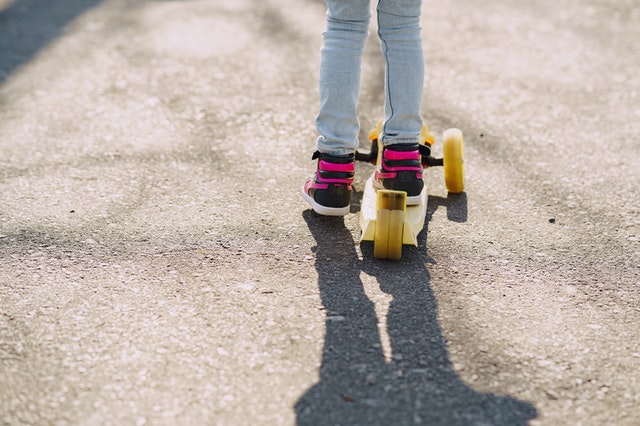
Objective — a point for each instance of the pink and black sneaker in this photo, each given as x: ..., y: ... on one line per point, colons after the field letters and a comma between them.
x: 400, y: 169
x: 329, y: 189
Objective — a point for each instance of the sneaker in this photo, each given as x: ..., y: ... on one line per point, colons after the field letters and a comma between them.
x: 328, y: 191
x: 400, y: 169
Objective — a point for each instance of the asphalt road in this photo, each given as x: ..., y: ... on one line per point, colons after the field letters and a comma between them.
x: 158, y: 265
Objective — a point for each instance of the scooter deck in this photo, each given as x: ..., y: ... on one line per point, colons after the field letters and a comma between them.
x: 413, y: 219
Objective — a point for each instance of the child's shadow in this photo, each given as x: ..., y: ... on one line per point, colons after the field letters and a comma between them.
x: 357, y: 386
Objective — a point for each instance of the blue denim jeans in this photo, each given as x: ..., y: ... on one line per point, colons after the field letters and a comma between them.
x: 340, y: 65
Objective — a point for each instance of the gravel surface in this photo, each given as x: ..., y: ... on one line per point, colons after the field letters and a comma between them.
x: 158, y: 265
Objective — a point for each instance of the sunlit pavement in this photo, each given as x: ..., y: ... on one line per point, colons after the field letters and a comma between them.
x: 159, y: 266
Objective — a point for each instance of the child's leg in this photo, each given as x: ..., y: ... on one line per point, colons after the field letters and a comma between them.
x: 347, y: 29
x: 399, y: 30
x: 401, y: 43
x: 329, y: 190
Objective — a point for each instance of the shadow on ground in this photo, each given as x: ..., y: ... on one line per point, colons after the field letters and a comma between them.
x: 419, y: 386
x: 27, y: 26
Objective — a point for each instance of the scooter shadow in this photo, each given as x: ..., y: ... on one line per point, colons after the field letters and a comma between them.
x: 456, y: 205
x: 357, y: 386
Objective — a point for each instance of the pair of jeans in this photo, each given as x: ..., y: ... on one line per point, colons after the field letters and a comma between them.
x: 340, y: 72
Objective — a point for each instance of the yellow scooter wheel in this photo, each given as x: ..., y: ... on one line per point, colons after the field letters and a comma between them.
x: 387, y: 240
x: 381, y: 235
x: 396, y: 228
x: 453, y: 160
